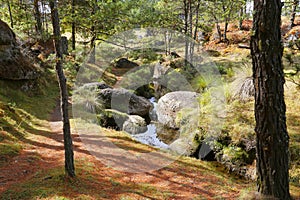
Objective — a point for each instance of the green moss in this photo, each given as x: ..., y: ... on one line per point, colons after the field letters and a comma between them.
x: 234, y: 153
x: 9, y: 150
x: 21, y: 112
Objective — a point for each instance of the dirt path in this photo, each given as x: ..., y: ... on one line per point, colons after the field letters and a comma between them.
x: 47, y: 153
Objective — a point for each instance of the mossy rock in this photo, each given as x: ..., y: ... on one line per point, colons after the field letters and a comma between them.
x: 110, y: 118
x: 186, y: 145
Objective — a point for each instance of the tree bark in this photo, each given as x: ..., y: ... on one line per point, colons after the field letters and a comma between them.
x: 241, y: 18
x: 226, y: 23
x: 68, y: 144
x: 10, y: 15
x: 188, y: 30
x: 197, y: 19
x: 37, y: 14
x: 186, y: 24
x: 73, y: 26
x: 92, y: 58
x: 293, y: 14
x: 272, y: 139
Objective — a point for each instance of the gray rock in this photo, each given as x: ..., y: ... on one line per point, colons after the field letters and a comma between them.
x: 124, y: 63
x: 110, y: 118
x: 13, y: 64
x: 96, y: 85
x: 125, y: 101
x: 186, y: 146
x: 135, y: 125
x: 172, y: 103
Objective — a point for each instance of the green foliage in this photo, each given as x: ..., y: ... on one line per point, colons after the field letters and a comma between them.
x: 234, y: 154
x: 146, y: 55
x: 9, y: 150
x: 88, y: 99
x: 20, y: 112
x: 243, y: 86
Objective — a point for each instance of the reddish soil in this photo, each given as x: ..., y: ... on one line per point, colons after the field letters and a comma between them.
x: 47, y: 153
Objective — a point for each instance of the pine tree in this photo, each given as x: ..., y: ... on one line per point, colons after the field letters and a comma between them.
x: 68, y: 145
x: 272, y: 139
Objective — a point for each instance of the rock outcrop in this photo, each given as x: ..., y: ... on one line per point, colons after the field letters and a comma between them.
x: 172, y: 103
x: 125, y: 101
x: 13, y: 64
x: 135, y: 125
x: 124, y: 63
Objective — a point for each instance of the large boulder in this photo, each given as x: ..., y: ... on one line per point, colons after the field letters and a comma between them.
x: 135, y: 125
x: 110, y: 118
x: 125, y: 101
x: 13, y: 64
x: 184, y: 146
x: 125, y: 63
x: 172, y: 103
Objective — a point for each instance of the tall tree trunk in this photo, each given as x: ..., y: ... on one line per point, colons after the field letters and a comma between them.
x: 68, y: 144
x: 10, y: 14
x: 219, y: 30
x: 197, y: 20
x: 166, y: 43
x: 191, y: 44
x: 73, y: 26
x: 188, y: 30
x: 186, y: 25
x: 37, y: 14
x: 272, y: 139
x: 226, y: 23
x: 241, y: 18
x: 92, y: 58
x: 225, y: 31
x: 293, y: 14
x: 45, y: 21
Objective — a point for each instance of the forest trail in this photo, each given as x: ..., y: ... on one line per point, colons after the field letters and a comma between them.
x: 45, y: 151
x: 176, y: 181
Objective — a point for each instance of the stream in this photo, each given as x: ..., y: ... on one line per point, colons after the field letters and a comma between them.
x: 151, y: 136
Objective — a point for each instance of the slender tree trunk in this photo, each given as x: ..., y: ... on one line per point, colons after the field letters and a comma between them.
x: 219, y: 30
x: 293, y: 14
x: 226, y: 24
x: 272, y: 139
x: 45, y: 17
x: 37, y: 14
x: 241, y: 18
x: 191, y: 44
x: 68, y: 144
x: 73, y: 26
x: 186, y: 15
x: 169, y: 42
x: 166, y: 43
x: 188, y: 30
x: 92, y: 58
x: 10, y: 15
x: 225, y: 31
x: 197, y: 20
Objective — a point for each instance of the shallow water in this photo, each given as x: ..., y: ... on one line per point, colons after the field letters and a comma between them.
x: 150, y: 138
